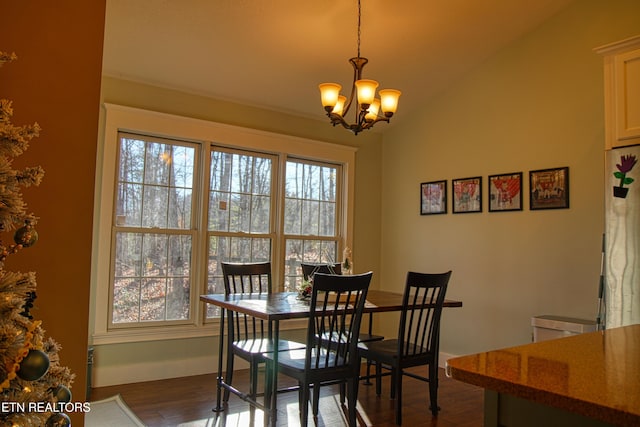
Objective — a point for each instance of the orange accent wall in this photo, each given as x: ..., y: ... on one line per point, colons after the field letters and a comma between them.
x: 56, y: 82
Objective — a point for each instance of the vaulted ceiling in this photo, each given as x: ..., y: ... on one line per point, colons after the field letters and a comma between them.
x: 273, y: 53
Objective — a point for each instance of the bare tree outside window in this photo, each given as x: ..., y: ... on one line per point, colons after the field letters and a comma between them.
x: 240, y: 205
x: 165, y: 225
x: 152, y: 231
x: 310, y: 223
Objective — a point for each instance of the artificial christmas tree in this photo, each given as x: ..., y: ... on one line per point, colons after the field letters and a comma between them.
x: 34, y: 387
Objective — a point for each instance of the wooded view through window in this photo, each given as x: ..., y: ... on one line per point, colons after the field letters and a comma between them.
x: 177, y: 218
x: 153, y: 237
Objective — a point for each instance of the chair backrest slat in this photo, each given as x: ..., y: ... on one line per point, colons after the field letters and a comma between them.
x: 420, y: 317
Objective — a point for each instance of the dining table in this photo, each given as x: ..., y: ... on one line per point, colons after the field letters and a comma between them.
x: 277, y: 306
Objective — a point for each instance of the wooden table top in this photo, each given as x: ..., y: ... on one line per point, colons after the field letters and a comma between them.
x: 286, y: 305
x: 594, y: 374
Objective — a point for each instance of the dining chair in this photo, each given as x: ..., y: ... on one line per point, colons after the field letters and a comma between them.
x: 309, y: 269
x: 248, y: 337
x: 418, y: 340
x: 331, y: 353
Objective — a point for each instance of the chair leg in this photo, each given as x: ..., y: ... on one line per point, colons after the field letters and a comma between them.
x: 267, y: 391
x: 352, y: 396
x: 270, y: 398
x: 394, y: 379
x: 378, y: 378
x: 316, y: 399
x: 367, y: 380
x: 303, y: 403
x: 433, y: 388
x: 398, y: 386
x: 228, y: 378
x: 253, y: 384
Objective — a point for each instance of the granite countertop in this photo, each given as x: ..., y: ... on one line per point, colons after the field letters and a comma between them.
x: 594, y: 374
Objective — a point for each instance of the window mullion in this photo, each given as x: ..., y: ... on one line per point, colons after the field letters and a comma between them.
x: 198, y: 228
x: 277, y: 223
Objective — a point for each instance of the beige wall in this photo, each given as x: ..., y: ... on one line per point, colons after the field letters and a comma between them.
x: 368, y: 156
x: 536, y: 104
x: 128, y: 362
x: 56, y: 82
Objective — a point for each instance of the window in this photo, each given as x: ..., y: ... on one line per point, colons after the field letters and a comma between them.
x: 153, y: 234
x: 171, y: 208
x: 310, y: 206
x: 239, y: 215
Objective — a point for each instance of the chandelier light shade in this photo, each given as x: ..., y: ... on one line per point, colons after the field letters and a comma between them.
x: 369, y: 109
x: 329, y: 94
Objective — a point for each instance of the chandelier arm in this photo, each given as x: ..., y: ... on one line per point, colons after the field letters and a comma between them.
x: 370, y: 123
x: 361, y: 122
x: 337, y: 119
x: 353, y: 93
x: 358, y: 64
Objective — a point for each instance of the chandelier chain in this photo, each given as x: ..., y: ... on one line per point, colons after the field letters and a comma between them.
x: 359, y: 13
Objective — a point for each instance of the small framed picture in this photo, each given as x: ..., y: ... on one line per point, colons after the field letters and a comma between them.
x: 433, y: 197
x: 467, y: 195
x: 505, y: 192
x: 549, y: 188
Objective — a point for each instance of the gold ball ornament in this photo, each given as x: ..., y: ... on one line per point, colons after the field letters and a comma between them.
x: 34, y: 365
x: 59, y: 419
x: 62, y: 394
x: 26, y: 236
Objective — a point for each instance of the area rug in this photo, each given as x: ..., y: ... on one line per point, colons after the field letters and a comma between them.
x: 111, y: 412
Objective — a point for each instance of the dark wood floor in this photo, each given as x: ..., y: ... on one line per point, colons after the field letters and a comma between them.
x: 188, y: 402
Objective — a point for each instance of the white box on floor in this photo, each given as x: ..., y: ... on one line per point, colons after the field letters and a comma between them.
x: 550, y: 327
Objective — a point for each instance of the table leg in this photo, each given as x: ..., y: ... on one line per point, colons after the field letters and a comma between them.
x: 219, y: 407
x: 367, y: 380
x: 273, y: 411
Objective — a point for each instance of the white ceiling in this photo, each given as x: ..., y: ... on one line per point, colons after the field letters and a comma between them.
x: 273, y: 53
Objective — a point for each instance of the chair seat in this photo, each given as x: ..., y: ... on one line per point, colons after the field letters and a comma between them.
x: 361, y: 338
x: 265, y: 345
x: 387, y: 352
x: 388, y: 346
x: 370, y: 337
x: 294, y: 359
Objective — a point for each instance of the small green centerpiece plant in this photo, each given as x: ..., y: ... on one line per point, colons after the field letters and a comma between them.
x: 305, y: 288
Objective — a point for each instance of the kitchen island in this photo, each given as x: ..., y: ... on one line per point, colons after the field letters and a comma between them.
x: 586, y: 380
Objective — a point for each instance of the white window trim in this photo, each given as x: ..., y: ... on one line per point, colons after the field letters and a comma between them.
x: 129, y: 119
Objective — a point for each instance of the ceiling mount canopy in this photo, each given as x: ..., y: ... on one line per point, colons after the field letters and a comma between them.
x: 370, y: 110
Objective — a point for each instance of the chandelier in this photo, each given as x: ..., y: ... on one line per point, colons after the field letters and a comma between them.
x: 370, y: 110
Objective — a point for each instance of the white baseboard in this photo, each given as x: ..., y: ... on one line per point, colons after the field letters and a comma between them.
x: 161, y: 370
x: 158, y: 370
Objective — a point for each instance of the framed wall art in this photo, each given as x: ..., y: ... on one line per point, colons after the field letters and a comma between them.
x: 549, y: 188
x: 433, y: 197
x: 466, y: 195
x: 505, y: 192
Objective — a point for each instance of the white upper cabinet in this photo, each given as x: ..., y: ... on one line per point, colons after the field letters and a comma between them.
x: 622, y: 92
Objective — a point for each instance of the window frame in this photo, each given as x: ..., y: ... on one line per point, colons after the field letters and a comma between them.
x: 119, y: 118
x: 192, y: 231
x: 285, y: 237
x: 208, y: 233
